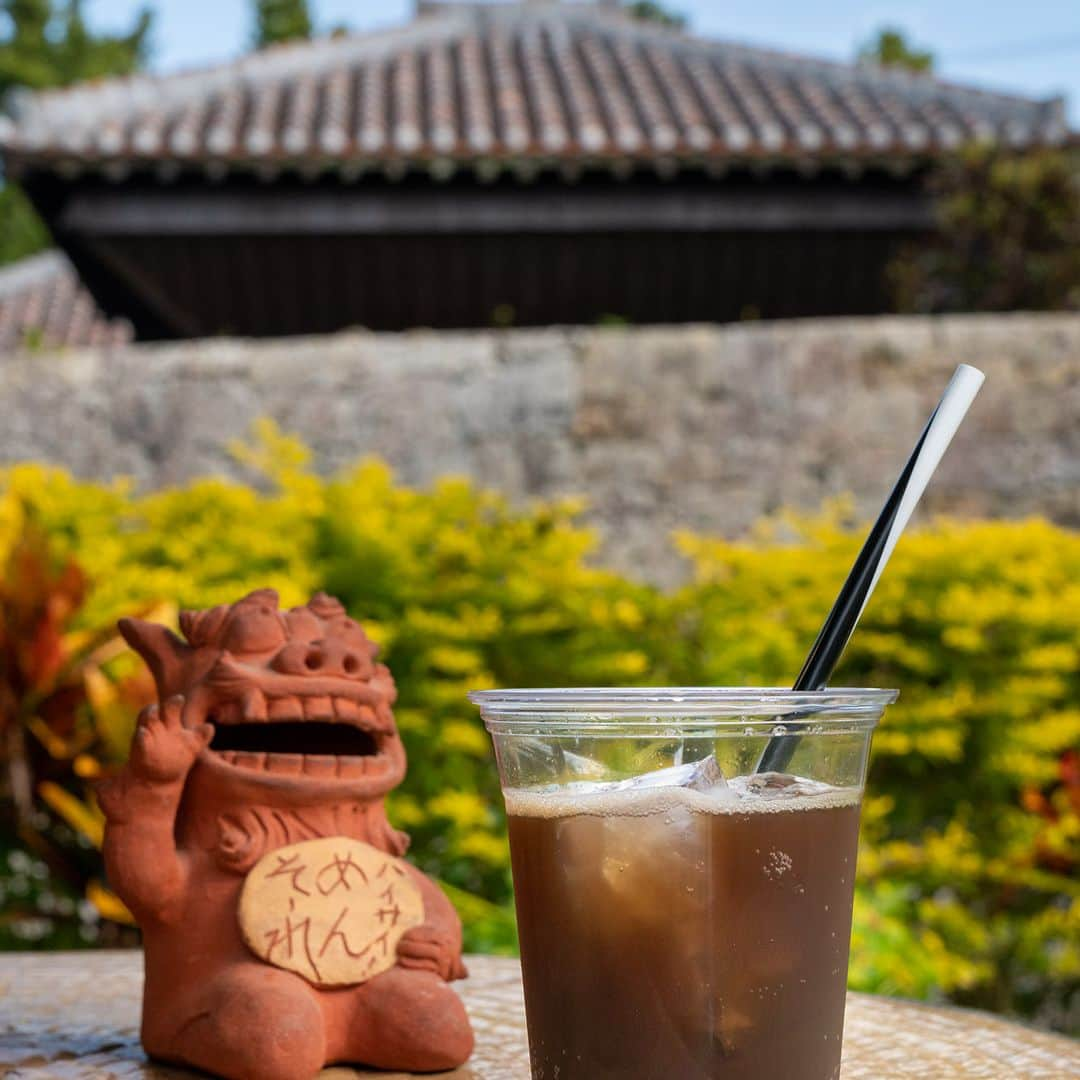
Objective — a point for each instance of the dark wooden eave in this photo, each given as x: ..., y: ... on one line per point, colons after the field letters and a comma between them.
x: 151, y: 211
x: 249, y: 258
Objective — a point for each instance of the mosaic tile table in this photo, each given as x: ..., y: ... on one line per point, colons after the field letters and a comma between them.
x: 75, y: 1015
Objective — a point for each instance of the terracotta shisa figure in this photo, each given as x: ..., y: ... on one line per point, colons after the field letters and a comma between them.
x: 248, y: 835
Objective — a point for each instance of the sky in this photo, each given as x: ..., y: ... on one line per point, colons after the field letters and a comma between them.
x: 1030, y: 46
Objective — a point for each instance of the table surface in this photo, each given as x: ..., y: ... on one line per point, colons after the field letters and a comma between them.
x: 68, y: 1015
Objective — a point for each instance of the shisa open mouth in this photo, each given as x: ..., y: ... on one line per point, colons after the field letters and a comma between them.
x: 317, y: 724
x: 317, y: 736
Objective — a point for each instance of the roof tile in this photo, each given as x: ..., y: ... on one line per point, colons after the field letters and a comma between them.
x: 42, y: 302
x: 517, y: 83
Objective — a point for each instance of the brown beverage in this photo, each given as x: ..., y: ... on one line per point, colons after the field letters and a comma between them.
x: 672, y: 934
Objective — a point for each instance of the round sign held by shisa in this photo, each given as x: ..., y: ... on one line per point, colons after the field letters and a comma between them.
x: 333, y: 910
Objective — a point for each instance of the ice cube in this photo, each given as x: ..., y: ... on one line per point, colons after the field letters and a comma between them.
x: 773, y: 785
x: 770, y: 781
x: 581, y: 766
x: 703, y: 775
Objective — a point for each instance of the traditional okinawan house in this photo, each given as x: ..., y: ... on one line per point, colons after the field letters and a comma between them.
x: 532, y: 163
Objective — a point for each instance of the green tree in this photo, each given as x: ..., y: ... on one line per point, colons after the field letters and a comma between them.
x: 890, y: 48
x: 47, y: 43
x: 651, y: 11
x: 281, y: 20
x: 1008, y: 235
x: 21, y: 230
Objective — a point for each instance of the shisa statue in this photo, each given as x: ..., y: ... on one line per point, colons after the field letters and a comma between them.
x: 248, y: 835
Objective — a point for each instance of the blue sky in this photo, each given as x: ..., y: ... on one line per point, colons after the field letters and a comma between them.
x: 1032, y: 46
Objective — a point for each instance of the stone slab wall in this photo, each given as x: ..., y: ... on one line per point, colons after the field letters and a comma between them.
x: 702, y: 427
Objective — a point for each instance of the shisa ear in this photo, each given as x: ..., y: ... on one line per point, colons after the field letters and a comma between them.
x: 326, y: 606
x: 204, y: 627
x: 165, y: 654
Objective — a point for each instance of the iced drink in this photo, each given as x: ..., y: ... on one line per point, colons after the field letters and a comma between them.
x: 672, y: 933
x: 681, y: 915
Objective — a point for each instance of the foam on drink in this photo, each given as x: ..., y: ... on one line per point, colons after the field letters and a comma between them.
x: 764, y: 793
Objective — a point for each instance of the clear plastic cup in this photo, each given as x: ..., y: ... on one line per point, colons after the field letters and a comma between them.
x: 680, y: 915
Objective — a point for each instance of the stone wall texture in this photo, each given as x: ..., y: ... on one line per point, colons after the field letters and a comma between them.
x: 700, y: 427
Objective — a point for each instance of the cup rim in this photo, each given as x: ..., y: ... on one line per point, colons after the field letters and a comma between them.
x: 717, y: 704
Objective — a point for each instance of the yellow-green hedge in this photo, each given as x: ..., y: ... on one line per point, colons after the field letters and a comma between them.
x: 968, y: 874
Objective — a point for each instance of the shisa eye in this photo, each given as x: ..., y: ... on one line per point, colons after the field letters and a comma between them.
x: 254, y: 631
x: 302, y: 625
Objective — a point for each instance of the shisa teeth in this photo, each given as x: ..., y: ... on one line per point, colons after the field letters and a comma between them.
x: 345, y: 766
x: 320, y: 765
x: 318, y: 708
x: 283, y: 709
x: 284, y: 763
x: 254, y: 706
x: 228, y: 713
x: 349, y: 768
x: 344, y: 709
x: 257, y: 709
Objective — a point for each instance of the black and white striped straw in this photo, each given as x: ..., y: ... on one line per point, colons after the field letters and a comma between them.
x: 833, y: 637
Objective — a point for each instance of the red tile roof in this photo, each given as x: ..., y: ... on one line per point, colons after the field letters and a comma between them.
x: 528, y: 85
x: 43, y: 303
